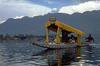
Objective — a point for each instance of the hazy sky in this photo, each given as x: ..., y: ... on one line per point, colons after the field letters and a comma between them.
x: 19, y: 8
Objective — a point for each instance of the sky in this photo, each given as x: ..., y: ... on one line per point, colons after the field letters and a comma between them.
x: 19, y: 8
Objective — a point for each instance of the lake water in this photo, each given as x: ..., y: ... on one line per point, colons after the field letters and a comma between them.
x: 23, y: 53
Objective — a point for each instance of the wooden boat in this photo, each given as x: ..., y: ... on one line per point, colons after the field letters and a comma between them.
x: 54, y: 46
x: 62, y: 39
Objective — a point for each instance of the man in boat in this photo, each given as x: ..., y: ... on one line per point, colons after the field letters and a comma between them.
x: 89, y: 39
x: 73, y: 39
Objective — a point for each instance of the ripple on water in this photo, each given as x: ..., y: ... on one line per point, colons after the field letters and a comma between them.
x: 81, y: 64
x: 23, y: 54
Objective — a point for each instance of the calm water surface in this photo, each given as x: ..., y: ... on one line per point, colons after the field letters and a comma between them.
x: 23, y: 53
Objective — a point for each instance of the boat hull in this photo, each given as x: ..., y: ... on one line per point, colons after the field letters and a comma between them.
x: 54, y: 46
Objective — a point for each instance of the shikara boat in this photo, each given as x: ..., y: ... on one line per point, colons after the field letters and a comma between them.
x: 65, y: 35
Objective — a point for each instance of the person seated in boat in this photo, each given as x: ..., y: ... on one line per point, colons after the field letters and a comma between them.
x: 73, y: 39
x: 89, y: 39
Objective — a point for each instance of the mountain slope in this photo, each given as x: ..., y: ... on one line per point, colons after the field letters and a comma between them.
x: 88, y: 22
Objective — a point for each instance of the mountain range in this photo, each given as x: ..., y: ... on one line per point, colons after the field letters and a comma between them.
x: 88, y: 22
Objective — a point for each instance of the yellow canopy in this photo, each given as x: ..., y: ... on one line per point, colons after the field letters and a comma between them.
x: 66, y: 27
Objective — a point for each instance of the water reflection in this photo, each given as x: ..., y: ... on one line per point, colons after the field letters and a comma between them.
x: 68, y: 57
x: 60, y: 57
x: 26, y: 54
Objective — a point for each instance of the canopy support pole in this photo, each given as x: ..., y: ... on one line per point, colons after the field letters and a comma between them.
x: 57, y: 39
x: 78, y: 40
x: 47, y: 37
